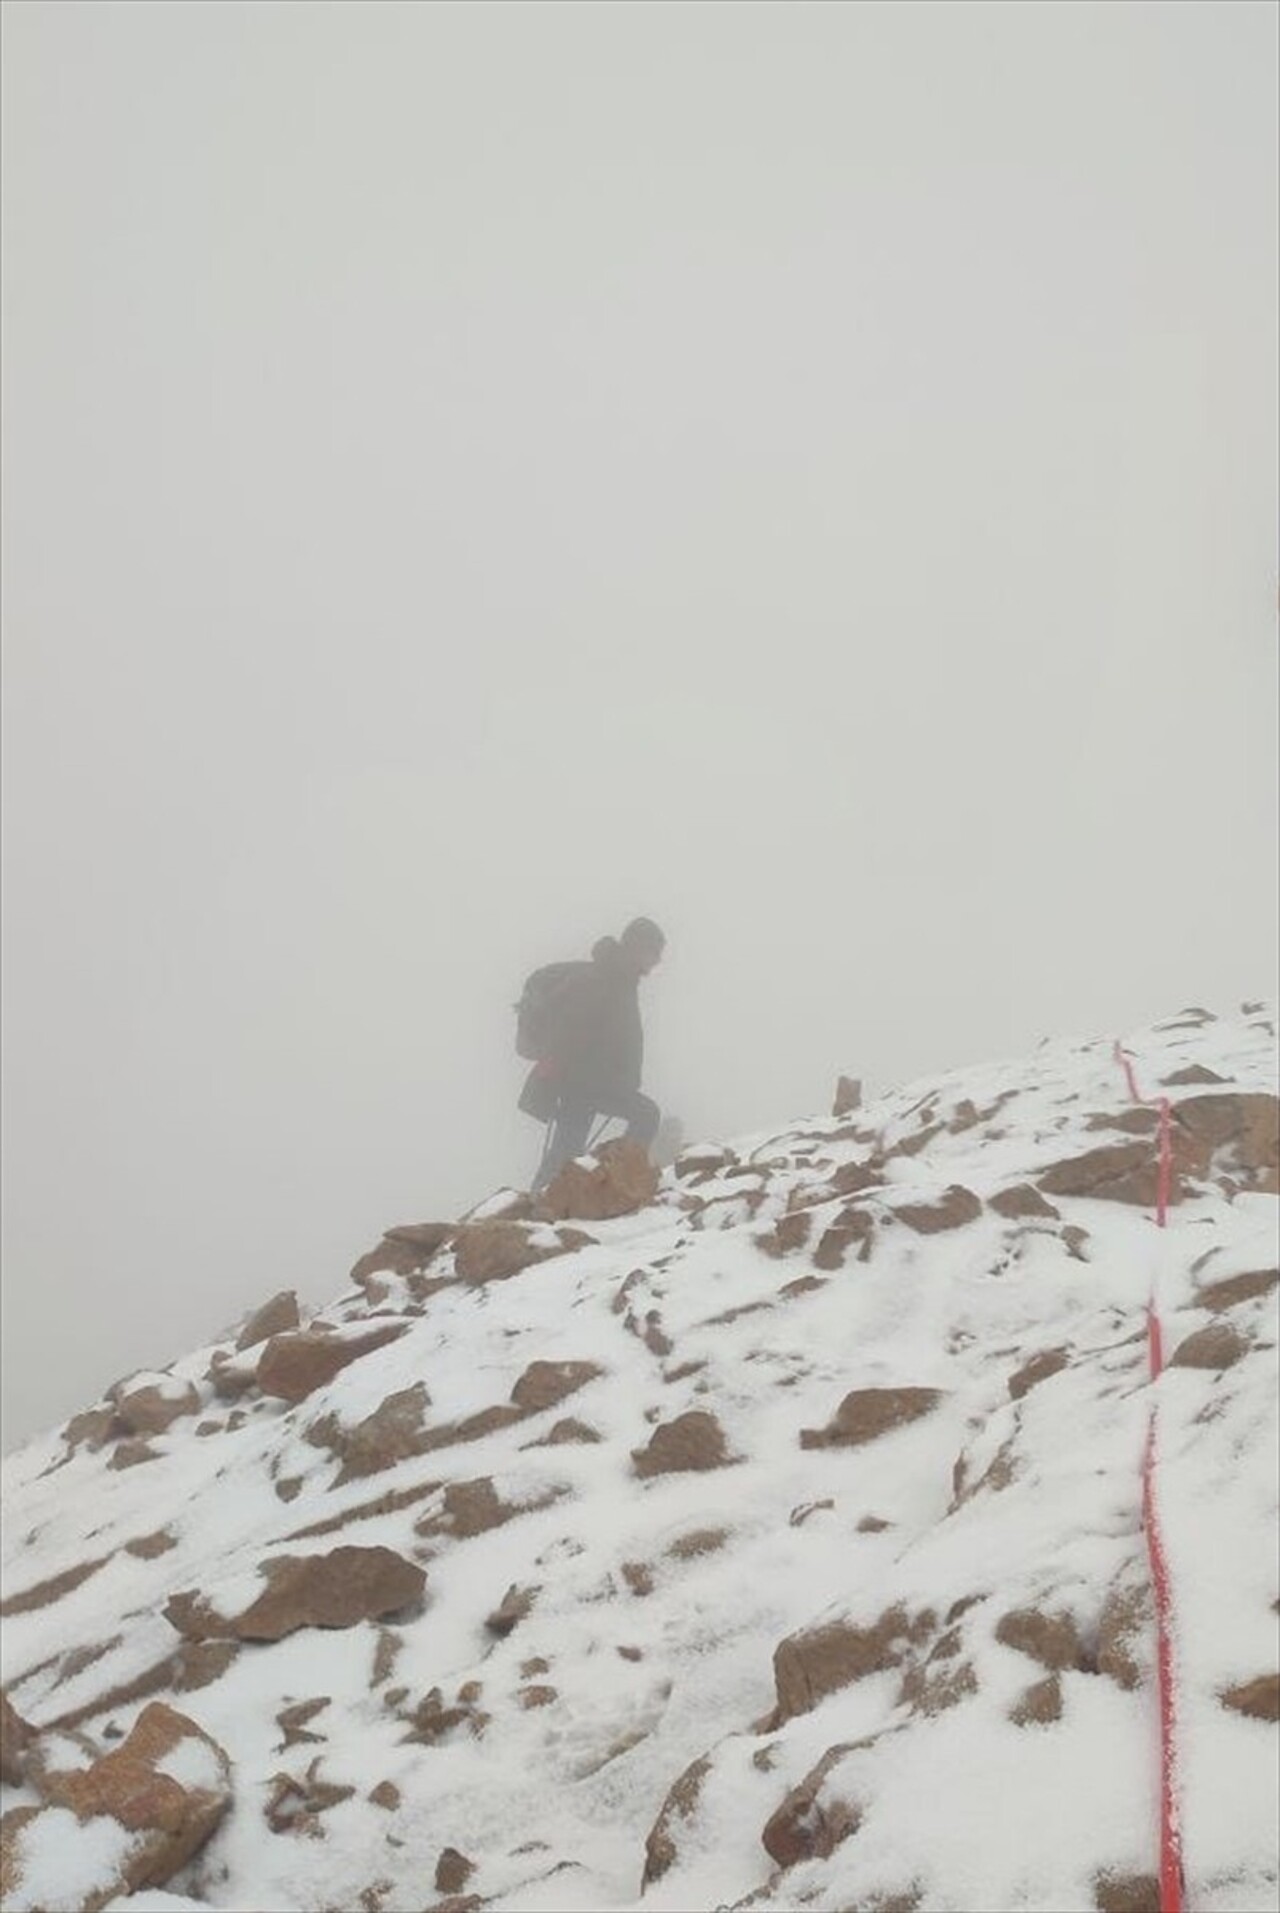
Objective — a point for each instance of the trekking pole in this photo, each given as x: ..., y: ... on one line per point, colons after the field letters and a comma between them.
x: 546, y: 1149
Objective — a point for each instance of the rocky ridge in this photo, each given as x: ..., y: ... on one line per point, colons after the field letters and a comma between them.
x: 662, y: 1543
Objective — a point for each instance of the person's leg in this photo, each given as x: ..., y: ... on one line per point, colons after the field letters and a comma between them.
x: 639, y: 1112
x: 567, y: 1136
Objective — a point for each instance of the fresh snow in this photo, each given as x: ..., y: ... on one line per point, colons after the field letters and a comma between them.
x: 639, y: 1656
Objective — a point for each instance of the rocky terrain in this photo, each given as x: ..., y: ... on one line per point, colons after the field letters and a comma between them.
x: 765, y: 1534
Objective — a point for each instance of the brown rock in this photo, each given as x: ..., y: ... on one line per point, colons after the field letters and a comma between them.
x: 689, y: 1444
x: 531, y: 1697
x: 1246, y: 1123
x: 1193, y: 1073
x: 453, y: 1870
x: 1259, y: 1699
x: 1127, y: 1893
x: 337, y: 1589
x: 1048, y: 1362
x: 42, y: 1593
x: 199, y: 1663
x: 147, y: 1547
x: 866, y: 1413
x: 956, y: 1207
x: 402, y: 1251
x: 1051, y: 1639
x: 149, y: 1410
x: 93, y: 1427
x: 131, y: 1786
x: 15, y: 1737
x: 1235, y: 1289
x: 1040, y: 1704
x: 698, y: 1541
x: 619, y: 1180
x: 811, y: 1822
x: 1216, y: 1346
x: 513, y: 1608
x: 1020, y: 1202
x: 816, y: 1662
x: 545, y: 1384
x: 854, y: 1224
x: 230, y: 1378
x: 293, y: 1722
x: 848, y: 1096
x: 296, y: 1802
x: 474, y: 1507
x: 1119, y: 1172
x: 788, y: 1234
x: 1124, y: 1629
x: 392, y: 1433
x: 495, y: 1251
x: 275, y: 1317
x: 386, y: 1795
x: 660, y: 1848
x: 568, y: 1430
x: 132, y: 1453
x: 933, y: 1688
x: 294, y: 1364
x: 638, y: 1576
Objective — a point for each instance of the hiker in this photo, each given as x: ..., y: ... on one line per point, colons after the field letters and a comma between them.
x: 579, y: 1024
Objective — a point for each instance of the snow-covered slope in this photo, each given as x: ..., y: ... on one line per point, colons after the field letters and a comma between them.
x: 782, y: 1542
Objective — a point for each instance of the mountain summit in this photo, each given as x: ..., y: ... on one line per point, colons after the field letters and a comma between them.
x: 765, y: 1534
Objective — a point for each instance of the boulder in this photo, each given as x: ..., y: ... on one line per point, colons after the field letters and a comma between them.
x: 866, y: 1413
x: 1020, y: 1202
x: 474, y: 1507
x: 1216, y: 1346
x: 660, y: 1848
x: 333, y: 1590
x: 954, y: 1208
x: 393, y: 1432
x: 815, y: 1662
x: 813, y: 1819
x: 1125, y: 1630
x: 1259, y: 1699
x: 1040, y: 1704
x: 689, y: 1444
x: 1040, y: 1367
x: 848, y: 1096
x: 167, y: 1785
x: 15, y: 1737
x: 545, y: 1384
x: 1051, y: 1639
x: 616, y: 1181
x: 274, y: 1317
x: 494, y: 1251
x: 1232, y: 1290
x: 147, y: 1406
x: 1117, y: 1172
x: 453, y: 1870
x: 294, y: 1364
x: 854, y: 1224
x: 1245, y: 1124
x: 404, y: 1250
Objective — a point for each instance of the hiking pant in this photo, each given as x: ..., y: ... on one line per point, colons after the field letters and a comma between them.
x: 577, y: 1111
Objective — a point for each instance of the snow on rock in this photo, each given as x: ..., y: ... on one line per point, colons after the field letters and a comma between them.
x: 778, y: 1544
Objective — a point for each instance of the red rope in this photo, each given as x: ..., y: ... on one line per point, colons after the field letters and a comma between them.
x: 1171, y: 1892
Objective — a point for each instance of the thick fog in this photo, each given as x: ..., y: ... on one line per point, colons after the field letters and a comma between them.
x: 475, y: 473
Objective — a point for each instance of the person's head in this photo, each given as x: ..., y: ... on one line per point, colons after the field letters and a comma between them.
x: 642, y: 944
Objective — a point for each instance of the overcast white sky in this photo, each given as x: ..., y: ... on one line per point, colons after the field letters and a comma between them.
x: 806, y: 472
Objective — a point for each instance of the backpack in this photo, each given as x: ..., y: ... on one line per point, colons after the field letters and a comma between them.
x: 542, y: 1010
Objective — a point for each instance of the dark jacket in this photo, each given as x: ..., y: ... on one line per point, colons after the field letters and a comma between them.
x: 602, y: 1041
